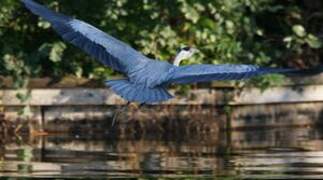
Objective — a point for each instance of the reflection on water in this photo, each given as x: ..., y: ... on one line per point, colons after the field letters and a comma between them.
x: 263, y: 153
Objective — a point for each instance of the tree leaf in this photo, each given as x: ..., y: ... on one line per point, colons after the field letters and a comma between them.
x: 299, y: 30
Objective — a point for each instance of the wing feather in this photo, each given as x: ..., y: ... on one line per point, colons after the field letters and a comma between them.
x: 207, y: 72
x: 107, y: 49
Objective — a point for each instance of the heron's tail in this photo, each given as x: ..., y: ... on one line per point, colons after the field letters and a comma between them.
x: 138, y: 92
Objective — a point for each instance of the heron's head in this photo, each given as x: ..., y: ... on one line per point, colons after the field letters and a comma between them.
x: 184, y: 53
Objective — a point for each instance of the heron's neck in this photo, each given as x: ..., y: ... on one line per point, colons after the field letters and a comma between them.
x: 178, y: 59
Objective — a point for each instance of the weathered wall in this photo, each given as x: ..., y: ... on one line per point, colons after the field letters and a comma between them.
x: 286, y: 105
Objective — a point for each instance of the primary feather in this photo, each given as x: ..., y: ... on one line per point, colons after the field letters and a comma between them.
x: 110, y: 51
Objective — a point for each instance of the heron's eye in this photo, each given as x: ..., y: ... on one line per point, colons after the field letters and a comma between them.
x: 186, y: 48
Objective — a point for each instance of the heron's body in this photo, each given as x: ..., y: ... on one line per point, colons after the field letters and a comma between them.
x: 146, y: 79
x: 145, y: 84
x: 151, y: 74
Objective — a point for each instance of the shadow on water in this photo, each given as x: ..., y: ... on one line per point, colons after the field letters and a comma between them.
x: 168, y: 148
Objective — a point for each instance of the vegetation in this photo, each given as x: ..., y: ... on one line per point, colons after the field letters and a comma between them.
x: 264, y: 32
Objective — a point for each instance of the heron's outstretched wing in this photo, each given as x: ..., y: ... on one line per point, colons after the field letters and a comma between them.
x: 102, y: 46
x: 207, y: 72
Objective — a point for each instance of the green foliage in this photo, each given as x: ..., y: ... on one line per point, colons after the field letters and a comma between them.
x: 301, y: 38
x: 263, y: 32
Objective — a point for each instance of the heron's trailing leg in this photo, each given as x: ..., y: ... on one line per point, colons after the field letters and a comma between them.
x: 116, y: 114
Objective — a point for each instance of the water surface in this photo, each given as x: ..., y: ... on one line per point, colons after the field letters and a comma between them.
x: 272, y: 153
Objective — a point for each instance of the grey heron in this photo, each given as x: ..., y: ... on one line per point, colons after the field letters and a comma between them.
x: 146, y: 79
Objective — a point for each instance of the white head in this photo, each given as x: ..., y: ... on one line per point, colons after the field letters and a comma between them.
x: 184, y: 53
